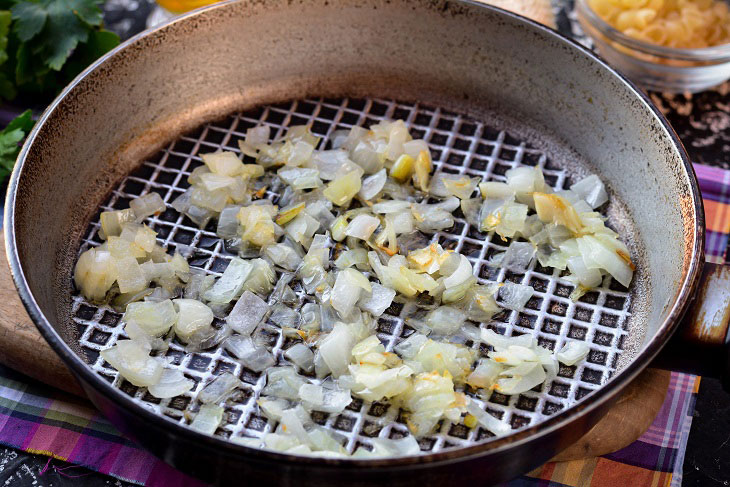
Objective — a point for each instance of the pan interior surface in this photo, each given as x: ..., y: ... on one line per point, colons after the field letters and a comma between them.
x: 494, y: 91
x: 604, y: 318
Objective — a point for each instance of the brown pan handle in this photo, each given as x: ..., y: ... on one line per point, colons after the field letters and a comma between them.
x: 701, y: 344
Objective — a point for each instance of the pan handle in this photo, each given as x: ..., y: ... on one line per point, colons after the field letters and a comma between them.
x: 701, y: 344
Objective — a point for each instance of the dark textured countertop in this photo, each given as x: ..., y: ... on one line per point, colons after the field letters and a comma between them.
x: 702, y: 122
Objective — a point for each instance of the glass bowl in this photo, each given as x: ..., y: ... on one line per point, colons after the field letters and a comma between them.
x: 655, y: 67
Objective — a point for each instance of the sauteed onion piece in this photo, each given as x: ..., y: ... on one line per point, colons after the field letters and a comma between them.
x: 352, y: 230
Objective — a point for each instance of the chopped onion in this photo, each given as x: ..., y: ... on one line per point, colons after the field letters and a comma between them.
x: 515, y: 296
x: 322, y: 399
x: 193, y: 317
x: 219, y: 388
x: 95, y: 273
x: 283, y: 255
x: 486, y: 420
x: 518, y: 256
x: 343, y: 189
x: 223, y: 163
x: 208, y: 419
x: 133, y: 363
x: 521, y: 378
x: 252, y: 356
x: 230, y: 284
x: 460, y: 275
x: 349, y: 286
x: 372, y: 185
x: 362, y: 226
x: 273, y: 407
x: 335, y: 348
x: 445, y: 320
x: 172, y: 383
x: 149, y: 204
x: 484, y: 374
x: 592, y: 190
x: 283, y: 382
x: 228, y: 222
x: 301, y: 356
x: 300, y: 178
x: 353, y: 257
x: 283, y: 316
x: 377, y: 301
x: 573, y: 352
x: 261, y: 279
x: 155, y: 318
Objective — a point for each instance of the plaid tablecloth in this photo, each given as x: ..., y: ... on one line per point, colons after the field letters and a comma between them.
x: 39, y: 419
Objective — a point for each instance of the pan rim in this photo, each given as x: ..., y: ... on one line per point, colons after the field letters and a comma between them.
x: 90, y: 379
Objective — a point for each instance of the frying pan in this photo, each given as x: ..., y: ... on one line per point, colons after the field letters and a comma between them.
x: 488, y: 90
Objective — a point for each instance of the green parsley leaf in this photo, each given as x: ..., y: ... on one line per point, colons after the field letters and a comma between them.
x: 10, y: 138
x: 5, y: 18
x: 29, y: 17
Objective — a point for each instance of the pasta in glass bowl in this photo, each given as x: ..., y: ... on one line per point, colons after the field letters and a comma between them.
x: 663, y: 45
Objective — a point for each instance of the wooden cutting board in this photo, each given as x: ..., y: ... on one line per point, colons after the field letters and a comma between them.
x: 24, y: 349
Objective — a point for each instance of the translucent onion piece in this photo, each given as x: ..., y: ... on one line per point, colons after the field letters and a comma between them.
x: 251, y: 355
x: 261, y: 279
x: 322, y: 399
x: 149, y: 204
x: 230, y: 284
x: 343, y: 189
x: 592, y: 190
x: 283, y: 316
x: 608, y: 254
x: 514, y: 296
x: 431, y: 397
x: 335, y: 348
x: 349, y: 286
x: 192, y: 318
x: 396, y: 447
x: 300, y: 178
x: 112, y: 221
x: 133, y: 363
x: 301, y: 356
x: 219, y: 388
x: 172, y: 383
x: 362, y: 226
x: 446, y: 357
x: 228, y: 222
x: 372, y: 185
x: 353, y: 257
x: 445, y: 320
x: 95, y: 273
x: 459, y: 185
x: 391, y: 206
x: 460, y: 275
x: 223, y: 163
x: 208, y: 419
x: 283, y: 382
x: 520, y: 379
x: 484, y: 374
x: 377, y: 301
x: 273, y: 407
x: 552, y: 208
x: 486, y: 420
x: 518, y: 256
x: 283, y: 255
x: 155, y: 318
x: 573, y: 352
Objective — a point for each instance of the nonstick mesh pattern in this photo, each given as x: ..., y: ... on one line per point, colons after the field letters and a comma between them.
x: 459, y: 145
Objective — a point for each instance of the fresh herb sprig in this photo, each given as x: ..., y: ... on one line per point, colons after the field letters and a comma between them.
x: 10, y: 138
x: 45, y: 43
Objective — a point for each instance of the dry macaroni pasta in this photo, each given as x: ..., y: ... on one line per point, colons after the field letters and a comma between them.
x: 672, y: 23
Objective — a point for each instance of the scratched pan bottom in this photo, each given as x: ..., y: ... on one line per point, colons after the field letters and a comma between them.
x: 459, y: 144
